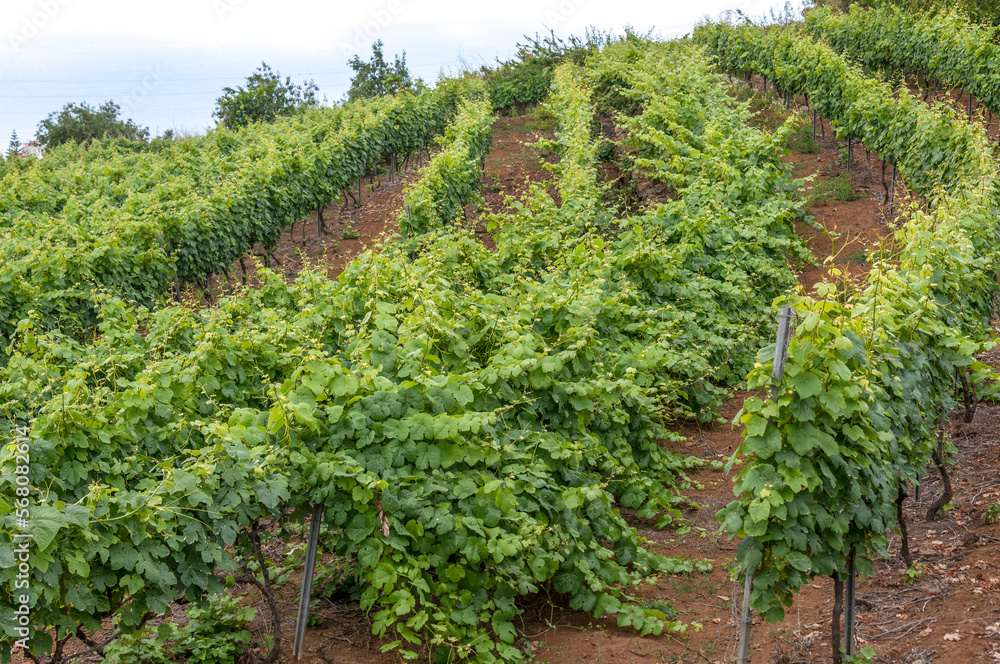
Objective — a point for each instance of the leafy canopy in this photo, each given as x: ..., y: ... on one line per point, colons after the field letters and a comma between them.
x: 377, y: 78
x: 525, y: 79
x: 83, y: 123
x: 980, y: 11
x: 264, y: 99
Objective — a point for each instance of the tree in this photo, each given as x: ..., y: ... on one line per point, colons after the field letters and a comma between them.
x: 83, y: 123
x: 264, y: 99
x: 525, y: 80
x: 14, y: 149
x: 377, y: 78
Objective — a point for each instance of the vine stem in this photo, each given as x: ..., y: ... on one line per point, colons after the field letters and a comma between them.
x: 265, y: 590
x: 946, y: 495
x: 97, y: 648
x: 971, y: 398
x: 690, y: 649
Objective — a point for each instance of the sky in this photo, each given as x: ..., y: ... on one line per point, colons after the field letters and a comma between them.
x: 165, y: 63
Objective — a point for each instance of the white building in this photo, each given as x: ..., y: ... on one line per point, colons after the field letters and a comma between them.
x: 32, y: 150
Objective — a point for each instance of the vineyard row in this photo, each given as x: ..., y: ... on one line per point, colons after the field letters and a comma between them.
x: 137, y: 223
x: 471, y: 420
x: 871, y: 371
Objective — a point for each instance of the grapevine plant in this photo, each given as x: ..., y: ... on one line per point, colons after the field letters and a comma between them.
x: 945, y: 46
x: 136, y: 223
x: 870, y: 371
x: 452, y: 178
x: 472, y: 420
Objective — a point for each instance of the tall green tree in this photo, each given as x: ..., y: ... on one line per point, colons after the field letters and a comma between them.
x: 83, y: 123
x: 264, y: 99
x: 377, y: 78
x: 525, y: 80
x: 14, y: 148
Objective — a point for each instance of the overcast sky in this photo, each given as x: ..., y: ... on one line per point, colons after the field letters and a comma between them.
x: 165, y: 63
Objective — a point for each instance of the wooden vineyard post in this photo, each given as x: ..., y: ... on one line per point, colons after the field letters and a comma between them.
x: 838, y: 611
x: 746, y: 619
x: 778, y: 372
x: 892, y: 190
x: 781, y: 348
x: 169, y: 249
x: 307, y: 578
x: 849, y: 609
